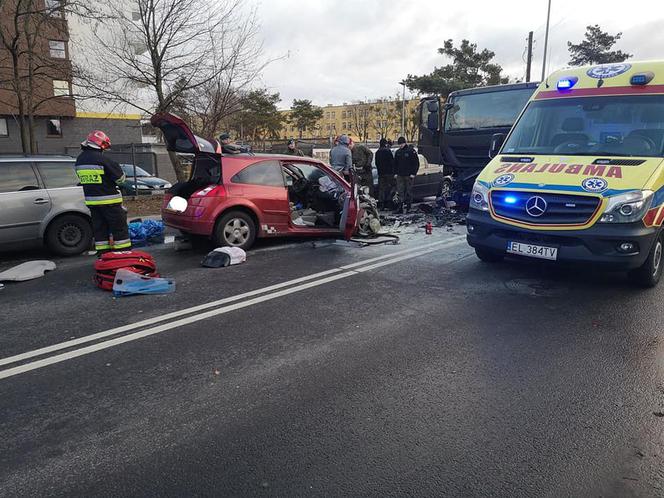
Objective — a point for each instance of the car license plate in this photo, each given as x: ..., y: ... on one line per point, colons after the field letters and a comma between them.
x: 533, y: 251
x: 157, y: 192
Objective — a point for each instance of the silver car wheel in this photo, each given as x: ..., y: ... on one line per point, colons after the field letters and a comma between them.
x: 236, y: 232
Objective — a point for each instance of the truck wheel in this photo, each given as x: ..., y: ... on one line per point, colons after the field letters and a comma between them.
x: 445, y: 188
x: 648, y: 274
x: 69, y: 235
x: 235, y: 229
x: 489, y: 256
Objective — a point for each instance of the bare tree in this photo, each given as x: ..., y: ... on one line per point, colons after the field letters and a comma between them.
x: 363, y: 119
x: 386, y: 113
x: 29, y: 64
x: 180, y: 53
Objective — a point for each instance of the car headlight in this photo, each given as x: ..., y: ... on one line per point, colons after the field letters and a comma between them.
x: 141, y: 186
x: 628, y: 207
x: 479, y: 198
x: 167, y: 185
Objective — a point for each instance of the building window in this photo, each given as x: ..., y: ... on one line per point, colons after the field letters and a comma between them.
x: 4, y: 131
x: 57, y: 49
x: 53, y: 128
x: 327, y: 115
x: 54, y: 8
x: 61, y: 88
x: 135, y: 16
x: 333, y: 116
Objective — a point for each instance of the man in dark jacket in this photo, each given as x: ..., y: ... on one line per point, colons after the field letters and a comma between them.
x: 292, y: 148
x: 385, y: 167
x: 406, y: 165
x: 362, y: 157
x: 100, y: 176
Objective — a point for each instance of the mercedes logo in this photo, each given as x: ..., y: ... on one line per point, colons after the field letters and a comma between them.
x: 536, y: 206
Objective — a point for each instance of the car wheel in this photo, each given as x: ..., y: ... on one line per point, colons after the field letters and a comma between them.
x: 445, y: 188
x: 235, y: 229
x: 69, y: 235
x: 489, y: 256
x: 649, y: 274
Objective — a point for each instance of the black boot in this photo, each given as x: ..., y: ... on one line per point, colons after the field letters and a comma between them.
x: 398, y: 209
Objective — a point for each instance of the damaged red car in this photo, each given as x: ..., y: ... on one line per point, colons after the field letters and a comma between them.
x: 235, y: 199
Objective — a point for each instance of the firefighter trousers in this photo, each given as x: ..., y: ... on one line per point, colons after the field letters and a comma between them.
x: 110, y: 220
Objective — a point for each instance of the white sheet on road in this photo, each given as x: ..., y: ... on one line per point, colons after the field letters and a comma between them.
x: 27, y: 271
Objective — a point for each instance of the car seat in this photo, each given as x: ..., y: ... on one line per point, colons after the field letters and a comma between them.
x: 573, y: 128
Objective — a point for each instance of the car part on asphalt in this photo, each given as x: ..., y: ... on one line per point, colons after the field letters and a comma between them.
x: 27, y: 271
x: 236, y: 254
x: 127, y: 283
x: 216, y: 259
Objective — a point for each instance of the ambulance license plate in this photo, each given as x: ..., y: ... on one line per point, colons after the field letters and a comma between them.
x: 157, y: 192
x: 533, y: 251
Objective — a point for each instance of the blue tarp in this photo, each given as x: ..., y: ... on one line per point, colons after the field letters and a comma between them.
x: 146, y: 232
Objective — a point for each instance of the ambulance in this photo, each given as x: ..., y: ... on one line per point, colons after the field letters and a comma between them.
x: 580, y: 176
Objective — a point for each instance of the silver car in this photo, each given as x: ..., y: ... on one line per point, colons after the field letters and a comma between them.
x: 41, y: 202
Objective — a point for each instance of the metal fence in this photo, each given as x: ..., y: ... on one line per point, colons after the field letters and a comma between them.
x: 138, y: 154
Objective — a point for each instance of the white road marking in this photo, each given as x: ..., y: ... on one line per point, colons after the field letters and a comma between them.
x: 387, y: 260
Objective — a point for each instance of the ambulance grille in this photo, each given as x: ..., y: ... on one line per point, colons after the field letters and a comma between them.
x: 558, y: 209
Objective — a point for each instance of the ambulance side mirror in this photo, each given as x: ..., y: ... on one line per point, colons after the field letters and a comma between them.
x: 497, y: 141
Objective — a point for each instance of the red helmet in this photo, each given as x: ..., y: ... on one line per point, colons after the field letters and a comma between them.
x: 98, y: 140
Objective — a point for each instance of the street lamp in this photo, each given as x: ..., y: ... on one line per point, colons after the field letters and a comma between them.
x: 403, y: 108
x: 546, y: 41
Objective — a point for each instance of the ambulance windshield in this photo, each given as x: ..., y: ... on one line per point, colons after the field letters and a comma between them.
x: 608, y: 126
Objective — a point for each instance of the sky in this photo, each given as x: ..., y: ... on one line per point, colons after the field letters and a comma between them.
x: 334, y: 52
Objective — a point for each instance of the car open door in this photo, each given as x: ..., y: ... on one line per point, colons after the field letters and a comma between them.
x: 351, y: 213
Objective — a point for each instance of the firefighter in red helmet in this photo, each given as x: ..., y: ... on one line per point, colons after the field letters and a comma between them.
x: 100, y: 175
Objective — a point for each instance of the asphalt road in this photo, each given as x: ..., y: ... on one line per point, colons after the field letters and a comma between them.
x: 410, y: 370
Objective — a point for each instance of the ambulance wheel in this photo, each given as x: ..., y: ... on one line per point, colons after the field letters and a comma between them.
x: 235, y: 229
x: 69, y: 235
x: 489, y: 256
x: 648, y: 274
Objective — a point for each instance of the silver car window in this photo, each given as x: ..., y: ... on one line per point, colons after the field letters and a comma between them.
x: 58, y: 174
x: 16, y: 177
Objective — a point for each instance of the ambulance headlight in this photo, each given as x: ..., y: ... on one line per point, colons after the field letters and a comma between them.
x: 479, y: 198
x: 628, y: 207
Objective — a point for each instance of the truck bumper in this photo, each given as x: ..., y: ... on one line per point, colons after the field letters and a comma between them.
x: 597, y: 245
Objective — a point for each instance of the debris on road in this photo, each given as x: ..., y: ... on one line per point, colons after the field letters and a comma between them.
x: 224, y: 256
x: 27, y: 271
x: 128, y: 283
x: 439, y: 214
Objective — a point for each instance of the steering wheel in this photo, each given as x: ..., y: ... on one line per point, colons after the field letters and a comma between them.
x: 638, y: 144
x: 300, y: 185
x: 570, y: 147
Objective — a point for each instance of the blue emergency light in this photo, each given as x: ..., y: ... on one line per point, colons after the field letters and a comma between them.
x: 641, y: 78
x: 567, y: 83
x: 510, y: 199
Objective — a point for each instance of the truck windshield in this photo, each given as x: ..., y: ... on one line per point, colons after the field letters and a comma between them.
x: 630, y: 125
x: 478, y: 111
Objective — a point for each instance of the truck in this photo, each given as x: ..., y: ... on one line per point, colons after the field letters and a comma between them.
x: 579, y: 179
x: 455, y: 133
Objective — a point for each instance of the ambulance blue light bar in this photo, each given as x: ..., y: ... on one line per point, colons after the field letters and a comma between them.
x: 510, y: 199
x: 641, y: 78
x: 567, y: 83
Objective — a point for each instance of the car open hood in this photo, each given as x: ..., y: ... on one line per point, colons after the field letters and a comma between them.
x: 179, y: 138
x: 602, y: 175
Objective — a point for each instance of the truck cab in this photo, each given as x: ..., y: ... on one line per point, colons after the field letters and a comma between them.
x: 580, y: 177
x: 456, y: 133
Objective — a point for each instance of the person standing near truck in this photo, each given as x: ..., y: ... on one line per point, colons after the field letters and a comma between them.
x: 406, y: 165
x: 292, y: 148
x: 362, y: 157
x: 385, y: 167
x: 100, y: 176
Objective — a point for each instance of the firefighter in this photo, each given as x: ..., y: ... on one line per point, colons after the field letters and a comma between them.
x: 100, y: 175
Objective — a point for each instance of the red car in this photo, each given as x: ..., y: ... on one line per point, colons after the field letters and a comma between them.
x: 236, y: 198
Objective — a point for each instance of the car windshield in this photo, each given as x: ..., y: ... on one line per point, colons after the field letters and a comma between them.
x: 129, y: 170
x: 613, y: 126
x: 478, y: 111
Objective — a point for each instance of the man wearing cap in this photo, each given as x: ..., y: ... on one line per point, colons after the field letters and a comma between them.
x: 385, y: 167
x: 341, y: 158
x: 406, y: 165
x: 362, y: 157
x: 292, y: 148
x: 227, y: 145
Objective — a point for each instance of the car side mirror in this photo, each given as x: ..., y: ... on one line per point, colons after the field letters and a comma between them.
x: 448, y: 105
x: 497, y: 141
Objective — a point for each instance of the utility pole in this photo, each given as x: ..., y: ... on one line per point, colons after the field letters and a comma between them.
x: 529, y: 61
x: 546, y: 40
x: 403, y: 110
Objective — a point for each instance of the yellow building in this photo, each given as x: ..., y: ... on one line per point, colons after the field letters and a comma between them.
x: 364, y: 121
